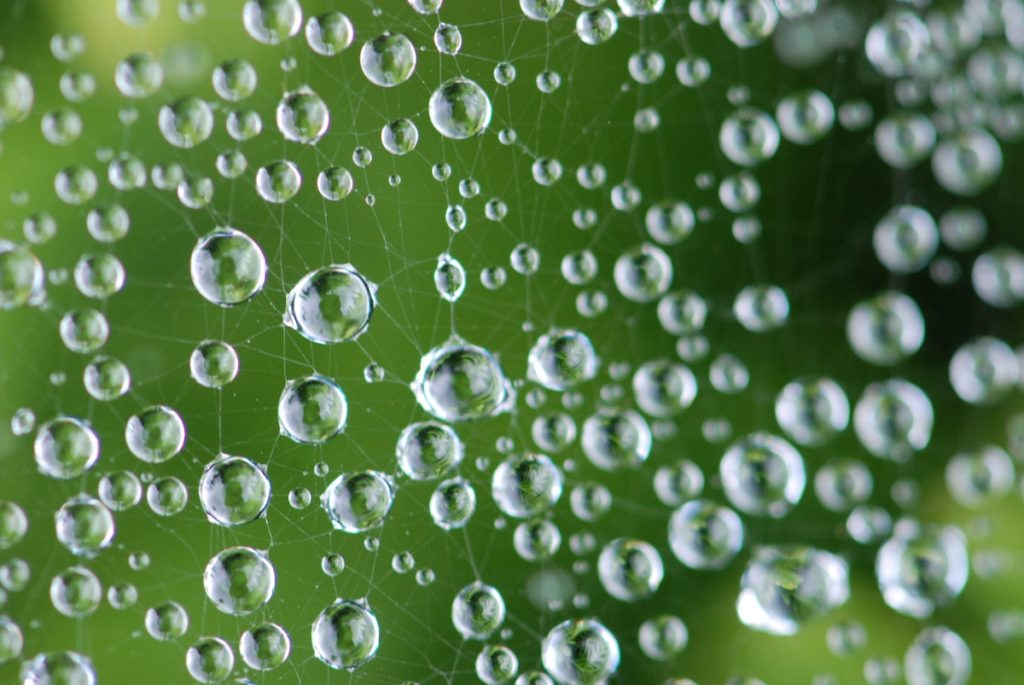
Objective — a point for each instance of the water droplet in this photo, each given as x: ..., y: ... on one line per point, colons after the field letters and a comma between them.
x: 449, y: 278
x: 496, y: 664
x: 75, y: 592
x: 388, y: 59
x: 106, y: 378
x: 346, y: 634
x: 155, y: 434
x: 233, y: 490
x: 213, y: 364
x: 228, y: 267
x: 360, y: 501
x: 77, y: 184
x: 561, y: 359
x: 460, y: 109
x: 643, y: 273
x: 272, y: 21
x: 16, y: 96
x: 630, y: 570
x: 459, y: 382
x: 478, y: 610
x: 615, y: 439
x: 265, y: 647
x: 841, y: 484
x: 331, y: 304
x: 937, y: 655
x: 527, y: 485
x: 428, y: 451
x: 302, y: 116
x: 893, y: 419
x: 139, y: 75
x: 312, y: 409
x: 329, y: 33
x: 239, y: 580
x: 596, y: 26
x: 580, y: 651
x: 705, y: 535
x: 749, y: 136
x: 187, y: 122
x: 120, y: 490
x: 921, y: 567
x: 166, y: 496
x: 783, y: 587
x: 400, y: 136
x: 763, y: 475
x: 21, y: 276
x: 452, y: 504
x: 210, y: 659
x: 664, y: 637
x: 65, y: 448
x: 234, y: 80
x: 805, y: 117
x: 983, y: 370
x: 51, y: 668
x: 278, y: 182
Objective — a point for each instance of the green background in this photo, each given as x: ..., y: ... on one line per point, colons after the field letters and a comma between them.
x: 818, y: 208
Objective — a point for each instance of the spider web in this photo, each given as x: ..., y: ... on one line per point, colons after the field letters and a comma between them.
x: 818, y: 207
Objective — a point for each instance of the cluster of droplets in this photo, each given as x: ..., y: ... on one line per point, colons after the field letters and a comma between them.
x: 955, y: 76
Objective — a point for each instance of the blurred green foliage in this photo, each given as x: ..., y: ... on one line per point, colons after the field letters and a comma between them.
x: 819, y: 205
